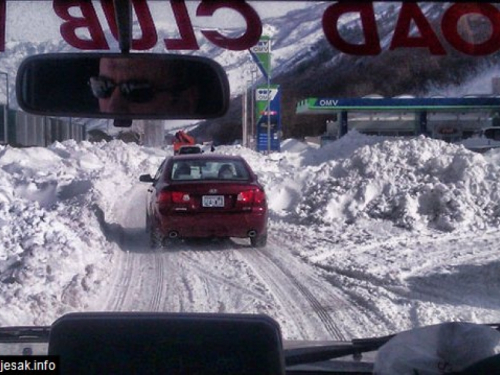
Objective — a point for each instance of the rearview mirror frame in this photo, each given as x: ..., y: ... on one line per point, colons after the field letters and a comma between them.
x: 58, y: 85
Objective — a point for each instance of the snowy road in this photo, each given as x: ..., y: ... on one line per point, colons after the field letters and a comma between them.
x: 315, y: 297
x: 223, y: 276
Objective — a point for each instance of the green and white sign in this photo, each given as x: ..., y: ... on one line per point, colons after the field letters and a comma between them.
x: 261, y: 54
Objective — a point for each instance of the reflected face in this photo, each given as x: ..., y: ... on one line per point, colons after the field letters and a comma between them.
x: 144, y: 86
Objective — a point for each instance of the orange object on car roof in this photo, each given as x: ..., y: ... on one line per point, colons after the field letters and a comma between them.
x: 182, y: 139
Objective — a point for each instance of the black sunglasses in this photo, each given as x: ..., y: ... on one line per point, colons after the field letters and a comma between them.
x: 137, y: 91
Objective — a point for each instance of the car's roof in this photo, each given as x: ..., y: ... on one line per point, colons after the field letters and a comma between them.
x: 209, y: 156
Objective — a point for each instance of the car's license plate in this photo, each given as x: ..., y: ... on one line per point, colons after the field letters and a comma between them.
x: 213, y: 201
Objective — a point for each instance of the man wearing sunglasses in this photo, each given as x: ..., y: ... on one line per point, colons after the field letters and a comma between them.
x: 144, y: 85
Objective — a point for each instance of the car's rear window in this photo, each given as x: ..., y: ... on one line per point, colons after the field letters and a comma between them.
x: 209, y: 170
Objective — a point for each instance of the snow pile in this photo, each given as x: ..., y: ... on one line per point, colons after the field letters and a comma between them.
x: 54, y: 247
x: 341, y: 148
x: 413, y: 183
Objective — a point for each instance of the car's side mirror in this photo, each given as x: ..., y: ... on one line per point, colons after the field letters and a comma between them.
x: 146, y: 178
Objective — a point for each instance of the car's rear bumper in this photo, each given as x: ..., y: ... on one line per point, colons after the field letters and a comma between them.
x: 213, y: 225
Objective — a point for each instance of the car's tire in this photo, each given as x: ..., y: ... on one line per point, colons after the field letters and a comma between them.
x: 155, y: 238
x: 259, y: 241
x: 170, y: 243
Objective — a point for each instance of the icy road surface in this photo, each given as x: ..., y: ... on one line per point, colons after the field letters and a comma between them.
x: 368, y: 236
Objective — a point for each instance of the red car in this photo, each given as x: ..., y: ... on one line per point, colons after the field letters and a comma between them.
x: 205, y: 196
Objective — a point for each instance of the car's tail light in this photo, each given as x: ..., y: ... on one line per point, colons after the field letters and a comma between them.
x: 249, y: 199
x: 179, y: 197
x: 245, y: 197
x: 176, y: 200
x: 165, y: 197
x: 259, y: 198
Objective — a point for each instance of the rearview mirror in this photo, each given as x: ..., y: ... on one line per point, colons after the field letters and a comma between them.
x: 132, y: 86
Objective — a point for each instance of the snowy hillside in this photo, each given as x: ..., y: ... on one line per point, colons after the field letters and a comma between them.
x: 402, y: 231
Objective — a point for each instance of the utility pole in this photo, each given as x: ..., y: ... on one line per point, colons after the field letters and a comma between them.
x: 252, y: 103
x: 6, y: 109
x: 269, y: 99
x: 244, y: 104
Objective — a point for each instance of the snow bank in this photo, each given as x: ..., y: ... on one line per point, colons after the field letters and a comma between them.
x: 54, y: 248
x: 413, y: 183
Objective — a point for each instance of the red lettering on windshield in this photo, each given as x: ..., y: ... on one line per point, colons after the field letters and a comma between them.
x: 85, y: 31
x: 450, y: 26
x: 411, y: 15
x: 411, y: 12
x: 248, y: 39
x: 3, y: 19
x: 88, y: 21
x: 149, y: 37
x: 371, y: 45
x: 187, y: 40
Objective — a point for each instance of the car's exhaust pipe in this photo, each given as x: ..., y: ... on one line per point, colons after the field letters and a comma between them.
x: 252, y: 233
x: 173, y: 234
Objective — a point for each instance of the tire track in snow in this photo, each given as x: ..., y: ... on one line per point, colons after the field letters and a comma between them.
x: 157, y: 295
x: 242, y: 289
x: 286, y: 288
x: 122, y: 283
x: 388, y: 279
x: 143, y: 281
x: 362, y: 311
x: 263, y: 281
x: 140, y: 272
x: 221, y: 282
x: 199, y: 260
x: 288, y: 310
x: 318, y: 308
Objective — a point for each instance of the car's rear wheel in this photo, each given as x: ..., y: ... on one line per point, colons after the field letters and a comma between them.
x: 155, y: 237
x: 259, y: 241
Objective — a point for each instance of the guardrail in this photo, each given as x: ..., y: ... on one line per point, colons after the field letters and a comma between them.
x: 24, y: 129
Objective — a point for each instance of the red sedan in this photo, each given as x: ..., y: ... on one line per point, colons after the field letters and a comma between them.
x: 205, y: 196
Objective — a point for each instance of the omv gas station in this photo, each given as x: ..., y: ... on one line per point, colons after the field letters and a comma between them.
x: 450, y: 119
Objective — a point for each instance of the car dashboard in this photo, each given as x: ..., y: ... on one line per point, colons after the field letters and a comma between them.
x: 155, y: 343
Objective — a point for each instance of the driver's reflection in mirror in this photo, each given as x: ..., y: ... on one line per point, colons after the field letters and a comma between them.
x: 144, y: 85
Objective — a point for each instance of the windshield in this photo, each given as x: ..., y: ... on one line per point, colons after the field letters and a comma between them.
x: 206, y: 169
x: 366, y: 123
